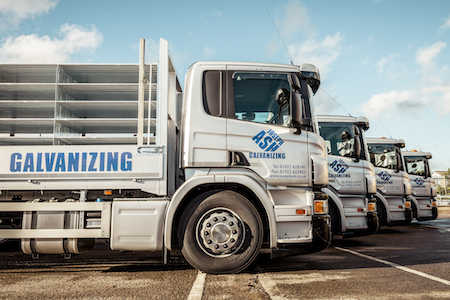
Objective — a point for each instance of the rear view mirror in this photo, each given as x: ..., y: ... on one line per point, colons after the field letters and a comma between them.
x: 357, y: 144
x: 296, y: 111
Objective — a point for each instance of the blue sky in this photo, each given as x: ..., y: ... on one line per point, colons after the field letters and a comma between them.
x: 388, y: 60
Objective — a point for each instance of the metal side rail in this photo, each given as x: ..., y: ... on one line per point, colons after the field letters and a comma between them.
x: 102, y: 231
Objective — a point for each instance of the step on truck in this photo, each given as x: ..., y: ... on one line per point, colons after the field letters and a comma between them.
x: 423, y: 187
x: 106, y: 152
x: 393, y: 186
x: 352, y: 181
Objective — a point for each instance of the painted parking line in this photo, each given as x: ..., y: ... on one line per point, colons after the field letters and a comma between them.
x: 396, y: 266
x: 196, y: 292
x: 269, y: 286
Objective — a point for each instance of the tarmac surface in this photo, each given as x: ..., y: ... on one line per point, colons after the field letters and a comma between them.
x: 402, y: 262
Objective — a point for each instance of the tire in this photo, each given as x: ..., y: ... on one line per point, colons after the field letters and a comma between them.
x: 381, y: 213
x: 221, y: 233
x: 335, y: 221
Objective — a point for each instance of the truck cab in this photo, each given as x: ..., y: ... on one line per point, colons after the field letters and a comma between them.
x: 393, y: 186
x: 351, y: 176
x: 423, y: 187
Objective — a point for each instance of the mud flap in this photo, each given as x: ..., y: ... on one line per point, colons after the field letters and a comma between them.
x: 434, y: 211
x: 373, y: 222
x: 321, y: 233
x: 409, y: 215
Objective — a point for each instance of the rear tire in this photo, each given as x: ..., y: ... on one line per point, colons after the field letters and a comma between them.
x: 221, y: 233
x: 381, y: 213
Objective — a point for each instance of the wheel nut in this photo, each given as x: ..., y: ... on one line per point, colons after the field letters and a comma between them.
x: 231, y: 223
x: 224, y: 219
x: 206, y: 233
x: 215, y: 219
x: 234, y: 231
x: 232, y: 240
x: 225, y: 246
x: 208, y: 225
x: 216, y: 246
x: 209, y: 242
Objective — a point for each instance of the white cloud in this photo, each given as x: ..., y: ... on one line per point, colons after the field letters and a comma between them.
x: 12, y: 12
x: 385, y: 61
x: 426, y: 55
x: 393, y: 102
x: 319, y: 53
x: 445, y: 26
x: 35, y: 49
x: 296, y: 19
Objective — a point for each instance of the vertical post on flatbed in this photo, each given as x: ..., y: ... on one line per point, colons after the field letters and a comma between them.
x: 140, y: 137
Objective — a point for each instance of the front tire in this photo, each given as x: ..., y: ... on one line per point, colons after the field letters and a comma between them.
x: 221, y: 233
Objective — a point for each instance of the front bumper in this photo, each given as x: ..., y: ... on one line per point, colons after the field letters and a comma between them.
x: 373, y: 225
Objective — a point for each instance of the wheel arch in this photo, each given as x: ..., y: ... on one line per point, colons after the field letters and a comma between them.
x: 337, y: 203
x: 381, y: 200
x: 198, y: 185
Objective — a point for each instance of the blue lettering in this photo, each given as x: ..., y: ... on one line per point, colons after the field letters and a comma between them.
x: 257, y: 138
x: 272, y: 147
x: 267, y: 140
x: 60, y: 163
x: 14, y: 165
x: 49, y: 160
x: 39, y: 163
x: 113, y: 161
x: 73, y: 162
x: 102, y: 161
x: 125, y: 164
x: 93, y: 158
x: 29, y: 163
x: 83, y: 161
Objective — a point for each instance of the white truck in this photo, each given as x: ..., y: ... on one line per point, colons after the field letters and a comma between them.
x: 351, y: 175
x: 104, y: 151
x: 423, y: 187
x: 393, y: 186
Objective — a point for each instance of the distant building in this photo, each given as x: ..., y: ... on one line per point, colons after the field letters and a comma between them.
x: 442, y: 180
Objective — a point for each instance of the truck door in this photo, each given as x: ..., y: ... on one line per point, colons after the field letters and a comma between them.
x: 259, y: 131
x: 346, y: 170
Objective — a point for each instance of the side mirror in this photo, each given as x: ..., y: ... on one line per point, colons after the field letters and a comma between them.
x: 296, y: 111
x: 357, y: 144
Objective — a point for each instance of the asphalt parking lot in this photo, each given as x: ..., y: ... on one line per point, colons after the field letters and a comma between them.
x: 404, y: 262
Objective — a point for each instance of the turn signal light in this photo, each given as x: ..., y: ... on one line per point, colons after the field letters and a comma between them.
x: 320, y: 207
x: 300, y: 211
x: 434, y: 204
x: 408, y: 204
x: 372, y: 206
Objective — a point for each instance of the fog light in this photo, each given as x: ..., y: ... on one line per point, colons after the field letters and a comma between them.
x: 360, y: 209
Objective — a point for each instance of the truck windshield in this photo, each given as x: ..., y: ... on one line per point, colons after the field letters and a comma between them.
x: 416, y: 165
x: 383, y: 155
x: 339, y: 138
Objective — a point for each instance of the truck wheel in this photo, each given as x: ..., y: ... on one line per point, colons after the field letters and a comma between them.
x: 381, y: 213
x: 221, y: 233
x: 335, y: 221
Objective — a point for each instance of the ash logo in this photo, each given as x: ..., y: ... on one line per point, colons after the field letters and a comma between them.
x: 419, y: 181
x: 339, y: 166
x: 385, y: 176
x: 268, y: 141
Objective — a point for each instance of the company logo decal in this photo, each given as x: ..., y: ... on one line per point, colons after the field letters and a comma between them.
x: 269, y: 142
x: 71, y: 162
x: 419, y: 181
x: 385, y: 176
x: 339, y: 166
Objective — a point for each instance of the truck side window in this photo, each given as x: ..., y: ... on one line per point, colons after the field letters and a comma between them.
x: 383, y: 155
x: 339, y: 138
x: 261, y: 98
x: 212, y: 92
